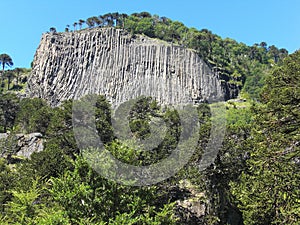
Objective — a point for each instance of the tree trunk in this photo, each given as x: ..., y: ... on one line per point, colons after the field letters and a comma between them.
x: 8, y: 82
x: 2, y: 75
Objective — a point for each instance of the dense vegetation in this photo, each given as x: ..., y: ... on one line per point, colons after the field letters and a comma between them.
x: 268, y: 192
x: 11, y: 79
x: 57, y: 185
x: 254, y: 179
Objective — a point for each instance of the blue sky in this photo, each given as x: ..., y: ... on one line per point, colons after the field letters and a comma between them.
x: 250, y: 21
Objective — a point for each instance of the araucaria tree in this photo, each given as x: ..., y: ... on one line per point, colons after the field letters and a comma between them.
x: 5, y: 60
x: 80, y: 23
x: 269, y: 191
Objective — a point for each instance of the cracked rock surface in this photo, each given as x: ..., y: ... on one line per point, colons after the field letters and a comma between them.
x: 121, y: 66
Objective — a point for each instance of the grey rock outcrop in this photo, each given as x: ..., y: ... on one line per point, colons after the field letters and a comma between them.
x: 21, y: 145
x: 29, y: 143
x: 120, y: 66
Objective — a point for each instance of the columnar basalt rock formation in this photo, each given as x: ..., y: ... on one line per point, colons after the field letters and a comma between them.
x: 120, y: 66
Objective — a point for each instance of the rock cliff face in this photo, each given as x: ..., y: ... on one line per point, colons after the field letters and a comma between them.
x: 22, y: 145
x: 120, y: 66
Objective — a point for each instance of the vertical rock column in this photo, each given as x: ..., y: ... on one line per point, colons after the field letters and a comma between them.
x: 111, y: 62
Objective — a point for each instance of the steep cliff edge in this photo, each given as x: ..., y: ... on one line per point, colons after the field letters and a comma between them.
x: 112, y: 62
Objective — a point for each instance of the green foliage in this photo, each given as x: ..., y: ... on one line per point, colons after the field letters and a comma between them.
x: 52, y: 216
x: 51, y: 162
x: 268, y: 191
x: 84, y: 194
x: 30, y: 207
x: 255, y: 177
x: 140, y: 117
x: 23, y: 208
x: 5, y: 60
x: 69, y: 191
x: 79, y: 196
x: 34, y: 115
x: 73, y: 194
x: 145, y: 26
x: 125, y: 152
x: 7, y: 182
x: 9, y: 106
x: 146, y: 120
x: 103, y: 119
x: 60, y: 129
x: 256, y: 79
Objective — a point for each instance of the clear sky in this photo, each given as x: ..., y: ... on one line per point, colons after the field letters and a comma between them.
x: 250, y: 21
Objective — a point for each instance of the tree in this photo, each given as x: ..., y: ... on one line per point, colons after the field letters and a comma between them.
x: 22, y: 208
x: 263, y: 45
x: 5, y: 60
x: 90, y: 22
x: 9, y: 107
x: 75, y: 25
x: 52, y: 30
x: 145, y: 26
x: 27, y: 207
x: 67, y: 29
x: 145, y: 15
x: 18, y: 72
x: 115, y: 16
x: 122, y: 19
x: 99, y: 21
x: 34, y: 115
x: 274, y: 53
x: 6, y: 183
x: 86, y: 195
x: 175, y: 30
x: 51, y: 162
x: 283, y: 53
x: 103, y: 119
x: 108, y: 19
x: 268, y: 191
x: 60, y: 129
x: 9, y: 75
x: 80, y: 23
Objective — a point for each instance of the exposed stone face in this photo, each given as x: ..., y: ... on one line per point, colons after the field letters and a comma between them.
x: 21, y: 144
x: 29, y: 143
x: 112, y: 62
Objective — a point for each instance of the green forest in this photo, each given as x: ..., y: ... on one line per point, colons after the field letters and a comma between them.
x: 254, y: 180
